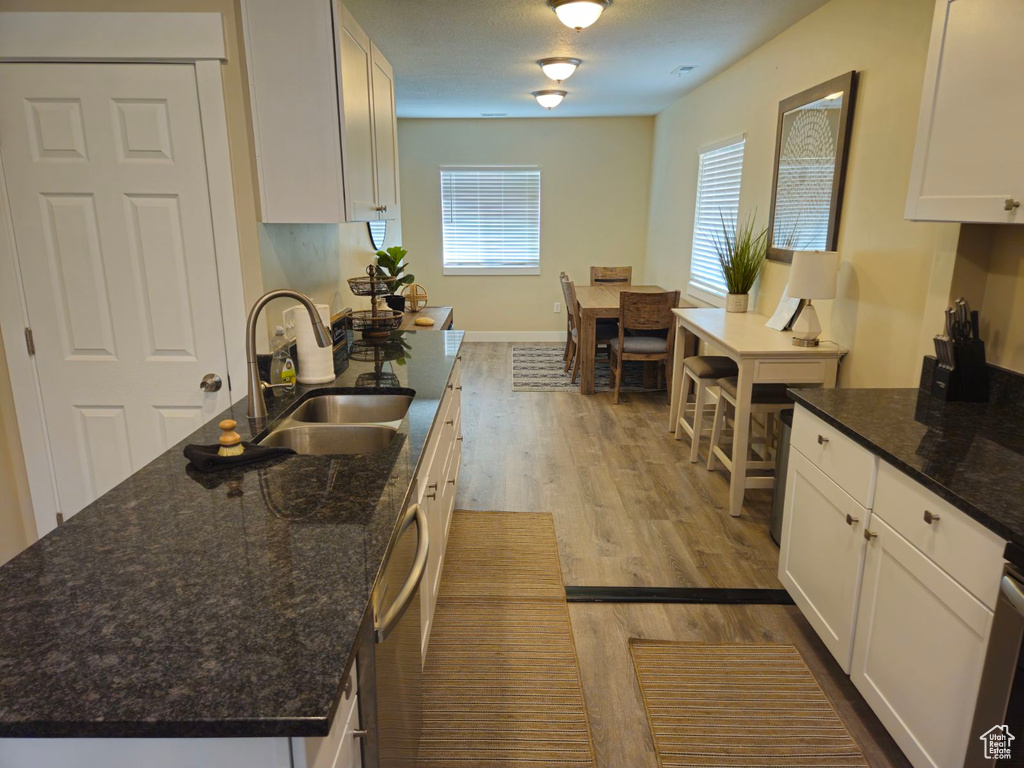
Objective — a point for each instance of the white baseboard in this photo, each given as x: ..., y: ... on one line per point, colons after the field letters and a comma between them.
x: 508, y: 336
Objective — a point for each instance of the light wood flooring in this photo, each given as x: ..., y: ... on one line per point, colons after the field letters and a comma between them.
x: 631, y: 510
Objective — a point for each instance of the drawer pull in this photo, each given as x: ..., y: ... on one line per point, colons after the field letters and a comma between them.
x: 459, y: 438
x: 459, y: 388
x: 822, y: 440
x: 451, y: 386
x: 869, y: 535
x: 452, y: 481
x: 929, y: 517
x: 450, y: 422
x: 850, y: 519
x: 432, y: 487
x: 359, y: 734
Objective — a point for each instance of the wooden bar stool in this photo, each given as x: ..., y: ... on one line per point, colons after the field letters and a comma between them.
x: 767, y: 399
x: 700, y: 373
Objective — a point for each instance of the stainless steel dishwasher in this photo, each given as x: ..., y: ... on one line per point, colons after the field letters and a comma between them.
x: 999, y: 716
x: 396, y: 629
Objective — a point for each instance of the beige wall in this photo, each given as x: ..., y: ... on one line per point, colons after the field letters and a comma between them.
x: 989, y: 272
x: 895, y: 274
x: 315, y: 259
x: 595, y: 182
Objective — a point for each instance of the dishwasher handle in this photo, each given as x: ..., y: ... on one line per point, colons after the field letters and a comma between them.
x: 1014, y: 594
x: 382, y: 625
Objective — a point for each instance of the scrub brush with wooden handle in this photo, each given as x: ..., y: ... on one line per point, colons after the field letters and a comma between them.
x: 230, y: 441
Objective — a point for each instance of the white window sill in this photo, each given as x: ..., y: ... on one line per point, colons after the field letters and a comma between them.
x: 496, y: 271
x: 705, y: 296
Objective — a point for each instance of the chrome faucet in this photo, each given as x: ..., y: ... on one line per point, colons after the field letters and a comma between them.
x: 257, y: 405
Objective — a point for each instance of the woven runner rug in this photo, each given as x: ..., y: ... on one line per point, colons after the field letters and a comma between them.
x: 540, y: 368
x: 502, y: 682
x: 738, y: 705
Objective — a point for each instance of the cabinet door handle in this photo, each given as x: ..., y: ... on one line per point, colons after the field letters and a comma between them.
x: 929, y: 517
x: 452, y: 481
x: 850, y: 519
x: 869, y: 535
x: 432, y: 487
x: 459, y: 388
x: 459, y: 438
x: 822, y: 440
x: 450, y: 422
x: 1011, y: 204
x: 384, y: 623
x: 359, y: 734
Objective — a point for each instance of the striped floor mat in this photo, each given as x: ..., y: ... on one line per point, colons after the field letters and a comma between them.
x: 502, y: 683
x: 738, y: 705
x: 541, y: 368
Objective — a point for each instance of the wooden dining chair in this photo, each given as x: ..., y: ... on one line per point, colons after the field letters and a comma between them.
x: 604, y: 335
x: 611, y: 275
x: 562, y: 277
x: 644, y: 312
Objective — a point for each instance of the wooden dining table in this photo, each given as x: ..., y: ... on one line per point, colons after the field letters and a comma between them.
x: 598, y: 301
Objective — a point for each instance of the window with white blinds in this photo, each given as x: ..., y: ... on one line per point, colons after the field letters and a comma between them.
x: 490, y: 219
x: 718, y: 200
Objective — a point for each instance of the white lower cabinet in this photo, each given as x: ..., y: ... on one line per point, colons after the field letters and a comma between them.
x: 342, y: 747
x: 438, y: 480
x: 823, y: 554
x: 919, y: 650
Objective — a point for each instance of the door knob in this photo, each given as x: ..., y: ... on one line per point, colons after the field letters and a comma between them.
x: 869, y: 535
x: 211, y: 383
x: 1011, y: 204
x: 929, y: 517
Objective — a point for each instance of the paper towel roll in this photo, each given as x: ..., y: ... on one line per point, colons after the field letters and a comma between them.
x: 316, y: 364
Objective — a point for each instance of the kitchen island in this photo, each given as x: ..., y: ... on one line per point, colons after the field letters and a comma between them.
x: 228, y: 605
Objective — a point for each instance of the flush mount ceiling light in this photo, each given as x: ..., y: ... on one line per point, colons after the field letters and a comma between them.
x: 559, y: 68
x: 549, y: 99
x: 578, y: 14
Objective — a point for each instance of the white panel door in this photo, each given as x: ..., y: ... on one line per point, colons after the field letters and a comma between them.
x: 106, y: 176
x: 969, y: 159
x: 919, y: 650
x: 356, y: 99
x: 385, y: 134
x: 822, y: 554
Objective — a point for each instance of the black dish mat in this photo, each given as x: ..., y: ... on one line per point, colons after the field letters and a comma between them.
x: 205, y: 458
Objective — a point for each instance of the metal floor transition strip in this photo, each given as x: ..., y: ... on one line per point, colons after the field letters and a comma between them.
x: 699, y: 595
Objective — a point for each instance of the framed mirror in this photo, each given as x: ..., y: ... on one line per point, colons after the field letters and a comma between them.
x: 378, y: 231
x: 811, y: 145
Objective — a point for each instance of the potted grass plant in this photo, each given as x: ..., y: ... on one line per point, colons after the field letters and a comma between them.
x: 742, y: 251
x: 391, y: 263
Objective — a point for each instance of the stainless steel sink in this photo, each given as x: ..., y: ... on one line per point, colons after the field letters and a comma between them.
x: 352, y: 409
x: 331, y: 439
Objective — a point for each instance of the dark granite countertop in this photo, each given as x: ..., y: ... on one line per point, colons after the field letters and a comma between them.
x: 181, y: 604
x: 970, y: 454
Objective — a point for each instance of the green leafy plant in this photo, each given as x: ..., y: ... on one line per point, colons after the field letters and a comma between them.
x: 391, y: 263
x: 742, y: 252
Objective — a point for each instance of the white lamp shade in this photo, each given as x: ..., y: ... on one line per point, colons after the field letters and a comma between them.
x: 813, y: 275
x: 549, y: 99
x: 559, y: 69
x: 579, y: 14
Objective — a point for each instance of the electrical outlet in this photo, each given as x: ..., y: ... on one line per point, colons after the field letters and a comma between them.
x: 558, y: 307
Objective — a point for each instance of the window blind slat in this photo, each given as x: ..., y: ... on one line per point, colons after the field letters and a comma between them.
x: 718, y: 199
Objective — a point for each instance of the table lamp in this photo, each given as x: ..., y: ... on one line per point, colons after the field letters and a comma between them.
x: 812, y: 276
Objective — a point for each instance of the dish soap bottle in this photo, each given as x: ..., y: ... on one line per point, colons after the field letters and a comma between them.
x: 282, y: 368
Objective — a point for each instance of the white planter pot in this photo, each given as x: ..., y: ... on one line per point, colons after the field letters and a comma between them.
x: 737, y: 302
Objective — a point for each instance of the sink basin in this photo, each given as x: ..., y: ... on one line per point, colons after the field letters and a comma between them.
x: 331, y: 440
x: 352, y: 409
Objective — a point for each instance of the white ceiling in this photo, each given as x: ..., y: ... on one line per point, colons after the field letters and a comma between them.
x: 462, y: 58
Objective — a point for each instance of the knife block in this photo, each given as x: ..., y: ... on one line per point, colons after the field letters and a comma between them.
x: 968, y: 381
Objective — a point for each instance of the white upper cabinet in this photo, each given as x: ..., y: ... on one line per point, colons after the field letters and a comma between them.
x: 382, y: 79
x: 969, y: 157
x: 319, y: 109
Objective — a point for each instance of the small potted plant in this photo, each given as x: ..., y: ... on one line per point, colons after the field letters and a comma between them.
x: 742, y: 253
x: 391, y: 263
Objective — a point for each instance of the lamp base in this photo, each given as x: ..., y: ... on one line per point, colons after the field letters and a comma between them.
x: 806, y: 327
